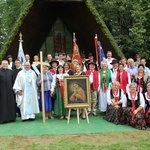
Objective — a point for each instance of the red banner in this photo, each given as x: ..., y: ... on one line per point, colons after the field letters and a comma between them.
x: 76, y: 58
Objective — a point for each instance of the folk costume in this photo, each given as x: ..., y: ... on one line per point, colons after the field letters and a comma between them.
x: 132, y: 102
x: 141, y: 81
x: 124, y: 79
x: 114, y: 114
x: 114, y: 74
x: 94, y: 81
x: 49, y: 85
x: 114, y: 69
x: 53, y: 71
x: 59, y: 109
x: 105, y: 81
x: 70, y: 72
x: 147, y: 108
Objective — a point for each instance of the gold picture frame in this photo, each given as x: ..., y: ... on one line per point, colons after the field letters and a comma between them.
x: 77, y: 91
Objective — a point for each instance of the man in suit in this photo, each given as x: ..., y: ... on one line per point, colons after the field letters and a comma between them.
x: 15, y: 72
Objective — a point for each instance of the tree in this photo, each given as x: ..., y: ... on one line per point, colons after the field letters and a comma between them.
x: 9, y: 11
x: 128, y: 22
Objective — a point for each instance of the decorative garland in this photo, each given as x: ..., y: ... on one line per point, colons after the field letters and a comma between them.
x: 14, y: 31
x: 30, y: 3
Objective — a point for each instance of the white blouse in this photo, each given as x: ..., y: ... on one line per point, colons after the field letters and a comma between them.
x: 141, y: 98
x: 122, y: 100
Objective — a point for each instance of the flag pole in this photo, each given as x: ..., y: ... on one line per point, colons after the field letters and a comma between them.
x: 20, y: 35
x: 96, y: 49
x: 74, y: 38
x: 73, y: 35
x: 21, y: 56
x: 99, y: 44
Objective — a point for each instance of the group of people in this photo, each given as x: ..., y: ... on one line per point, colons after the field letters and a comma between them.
x: 119, y: 88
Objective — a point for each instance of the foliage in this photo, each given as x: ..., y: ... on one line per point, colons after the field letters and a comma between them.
x: 104, y: 27
x: 128, y: 21
x: 14, y: 29
x: 9, y: 11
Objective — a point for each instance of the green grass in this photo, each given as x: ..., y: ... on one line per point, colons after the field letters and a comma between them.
x: 60, y: 127
x: 139, y: 140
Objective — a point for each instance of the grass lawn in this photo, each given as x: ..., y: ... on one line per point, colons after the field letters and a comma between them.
x: 58, y: 135
x: 139, y: 140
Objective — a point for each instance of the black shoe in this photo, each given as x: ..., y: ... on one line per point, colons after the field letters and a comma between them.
x: 104, y: 113
x: 24, y: 120
x: 31, y: 119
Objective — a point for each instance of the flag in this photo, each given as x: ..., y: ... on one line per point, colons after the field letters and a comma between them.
x: 21, y: 56
x: 102, y: 56
x: 76, y: 58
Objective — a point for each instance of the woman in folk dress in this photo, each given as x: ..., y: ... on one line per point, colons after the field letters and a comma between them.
x: 115, y: 99
x: 141, y: 78
x: 59, y: 109
x: 134, y: 108
x: 123, y: 77
x: 147, y: 102
x: 49, y: 85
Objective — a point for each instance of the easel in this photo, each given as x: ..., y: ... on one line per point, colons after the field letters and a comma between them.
x: 86, y: 114
x: 42, y: 85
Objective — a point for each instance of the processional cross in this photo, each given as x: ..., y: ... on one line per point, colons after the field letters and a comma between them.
x: 42, y: 84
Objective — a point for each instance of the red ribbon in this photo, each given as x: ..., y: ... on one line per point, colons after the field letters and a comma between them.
x: 139, y: 85
x: 133, y: 109
x: 116, y: 99
x: 61, y: 88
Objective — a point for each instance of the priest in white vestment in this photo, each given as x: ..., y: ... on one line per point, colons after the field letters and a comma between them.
x: 26, y: 92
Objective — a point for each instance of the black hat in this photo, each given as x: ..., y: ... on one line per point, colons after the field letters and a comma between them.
x: 114, y: 61
x: 54, y: 60
x: 92, y: 63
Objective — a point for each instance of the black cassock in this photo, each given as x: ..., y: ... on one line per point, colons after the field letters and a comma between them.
x: 7, y: 101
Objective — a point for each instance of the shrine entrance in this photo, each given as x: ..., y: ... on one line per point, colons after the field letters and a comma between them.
x: 59, y: 39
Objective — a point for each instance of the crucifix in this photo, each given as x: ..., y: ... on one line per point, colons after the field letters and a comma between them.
x: 42, y: 85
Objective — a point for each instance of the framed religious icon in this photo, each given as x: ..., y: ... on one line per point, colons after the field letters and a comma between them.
x: 76, y: 91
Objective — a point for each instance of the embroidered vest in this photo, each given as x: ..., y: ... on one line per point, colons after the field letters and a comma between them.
x: 112, y: 97
x: 146, y: 101
x: 137, y: 102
